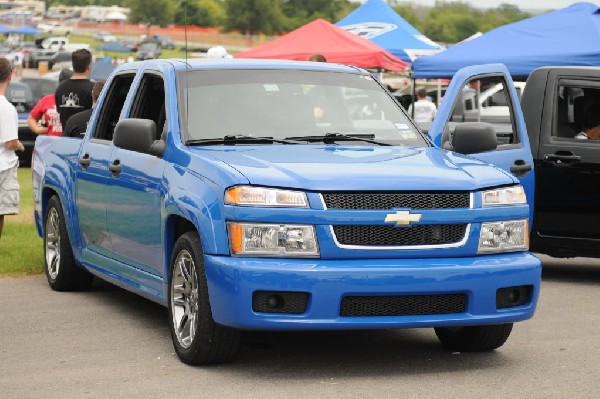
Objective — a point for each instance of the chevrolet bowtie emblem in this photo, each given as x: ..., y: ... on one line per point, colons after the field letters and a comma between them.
x: 402, y: 218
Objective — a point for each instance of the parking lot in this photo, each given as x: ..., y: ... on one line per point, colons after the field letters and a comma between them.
x: 108, y: 343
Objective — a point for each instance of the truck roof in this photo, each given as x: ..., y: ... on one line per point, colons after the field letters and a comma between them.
x: 211, y: 63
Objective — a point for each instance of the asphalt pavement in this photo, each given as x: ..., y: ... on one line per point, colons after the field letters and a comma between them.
x: 108, y: 343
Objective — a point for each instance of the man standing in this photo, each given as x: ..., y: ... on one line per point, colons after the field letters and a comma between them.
x: 75, y: 94
x: 9, y: 143
x: 425, y: 110
x: 77, y: 124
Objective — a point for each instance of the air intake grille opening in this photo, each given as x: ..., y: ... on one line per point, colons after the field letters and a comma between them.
x: 391, y: 200
x: 404, y: 305
x: 434, y: 234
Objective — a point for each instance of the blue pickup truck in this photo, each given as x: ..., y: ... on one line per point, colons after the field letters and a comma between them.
x: 273, y: 195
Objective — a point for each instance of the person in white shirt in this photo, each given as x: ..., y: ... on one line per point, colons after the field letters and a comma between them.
x: 9, y: 143
x: 424, y: 109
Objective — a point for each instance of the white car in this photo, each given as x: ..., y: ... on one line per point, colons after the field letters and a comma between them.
x: 105, y: 37
x: 54, y: 28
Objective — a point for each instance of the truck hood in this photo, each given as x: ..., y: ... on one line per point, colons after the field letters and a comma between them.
x: 341, y: 167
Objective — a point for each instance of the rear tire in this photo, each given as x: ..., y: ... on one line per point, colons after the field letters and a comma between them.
x: 474, y: 338
x: 60, y: 268
x: 196, y: 337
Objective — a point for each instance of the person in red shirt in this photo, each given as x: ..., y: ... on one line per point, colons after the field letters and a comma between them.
x: 45, y: 110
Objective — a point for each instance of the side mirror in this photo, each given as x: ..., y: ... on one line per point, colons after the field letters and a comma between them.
x: 137, y: 135
x: 473, y: 137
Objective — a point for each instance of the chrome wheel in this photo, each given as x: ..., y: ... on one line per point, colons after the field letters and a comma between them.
x: 52, y: 247
x: 184, y: 299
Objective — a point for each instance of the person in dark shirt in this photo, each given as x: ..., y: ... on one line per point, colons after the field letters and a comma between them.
x: 77, y: 124
x: 74, y: 94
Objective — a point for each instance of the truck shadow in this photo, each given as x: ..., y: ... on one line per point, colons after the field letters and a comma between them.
x: 323, y: 355
x: 572, y: 270
x: 341, y: 354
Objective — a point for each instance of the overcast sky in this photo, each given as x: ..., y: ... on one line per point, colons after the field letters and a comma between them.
x: 522, y: 4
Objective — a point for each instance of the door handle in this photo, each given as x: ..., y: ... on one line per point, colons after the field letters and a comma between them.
x: 520, y: 168
x: 85, y: 161
x: 562, y: 157
x: 115, y: 168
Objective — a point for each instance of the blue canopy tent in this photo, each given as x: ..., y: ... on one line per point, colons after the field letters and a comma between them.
x: 568, y: 36
x: 4, y: 29
x: 378, y: 22
x: 25, y: 30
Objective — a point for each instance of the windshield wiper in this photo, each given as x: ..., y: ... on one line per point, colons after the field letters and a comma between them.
x: 330, y: 138
x: 240, y: 139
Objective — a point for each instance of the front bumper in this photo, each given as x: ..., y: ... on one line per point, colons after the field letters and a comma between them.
x: 233, y: 280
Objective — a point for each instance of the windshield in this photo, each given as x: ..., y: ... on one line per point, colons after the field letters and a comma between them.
x: 289, y: 103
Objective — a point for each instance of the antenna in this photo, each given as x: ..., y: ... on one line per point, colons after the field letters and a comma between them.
x: 185, y: 4
x: 187, y: 67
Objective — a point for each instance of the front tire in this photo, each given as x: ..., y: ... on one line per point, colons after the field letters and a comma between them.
x: 60, y: 268
x: 196, y: 337
x: 474, y: 338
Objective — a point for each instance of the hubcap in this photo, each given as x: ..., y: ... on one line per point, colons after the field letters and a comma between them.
x: 184, y: 299
x: 52, y: 243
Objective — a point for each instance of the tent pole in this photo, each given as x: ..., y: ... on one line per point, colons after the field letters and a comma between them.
x: 414, y: 97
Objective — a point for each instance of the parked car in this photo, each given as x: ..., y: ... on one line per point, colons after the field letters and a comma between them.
x: 105, y: 37
x: 54, y: 28
x: 60, y: 60
x: 166, y: 42
x: 148, y: 50
x: 41, y: 85
x: 24, y: 95
x: 19, y: 94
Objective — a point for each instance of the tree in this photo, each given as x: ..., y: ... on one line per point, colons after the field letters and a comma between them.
x: 410, y: 15
x: 151, y: 12
x: 201, y: 13
x: 300, y: 12
x: 253, y: 16
x: 106, y: 3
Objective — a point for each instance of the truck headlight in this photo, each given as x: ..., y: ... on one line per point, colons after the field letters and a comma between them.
x: 262, y: 196
x: 514, y: 195
x: 280, y: 240
x: 506, y: 236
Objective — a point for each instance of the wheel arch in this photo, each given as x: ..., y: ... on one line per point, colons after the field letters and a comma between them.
x: 68, y: 211
x: 175, y: 227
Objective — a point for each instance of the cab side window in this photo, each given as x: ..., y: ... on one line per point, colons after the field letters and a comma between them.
x: 112, y: 106
x: 149, y: 102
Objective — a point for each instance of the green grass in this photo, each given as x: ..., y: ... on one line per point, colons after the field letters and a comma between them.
x: 21, y: 249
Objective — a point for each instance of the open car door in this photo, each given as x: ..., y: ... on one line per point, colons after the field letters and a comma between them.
x: 463, y: 103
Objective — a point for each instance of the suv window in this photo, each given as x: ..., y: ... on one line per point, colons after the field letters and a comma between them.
x: 573, y: 100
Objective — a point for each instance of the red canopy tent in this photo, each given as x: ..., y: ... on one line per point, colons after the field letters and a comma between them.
x: 336, y: 44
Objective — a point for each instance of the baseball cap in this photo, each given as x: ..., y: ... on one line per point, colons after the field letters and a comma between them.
x: 217, y: 52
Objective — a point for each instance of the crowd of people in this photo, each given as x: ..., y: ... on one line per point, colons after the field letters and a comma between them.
x: 64, y: 113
